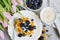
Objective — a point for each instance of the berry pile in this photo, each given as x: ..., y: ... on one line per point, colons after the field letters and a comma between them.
x: 24, y: 26
x: 34, y: 4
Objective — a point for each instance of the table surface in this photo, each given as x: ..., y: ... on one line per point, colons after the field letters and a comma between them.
x: 55, y: 4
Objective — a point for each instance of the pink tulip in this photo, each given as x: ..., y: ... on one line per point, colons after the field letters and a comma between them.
x: 1, y: 35
x: 7, y: 15
x: 5, y: 24
x: 14, y: 2
x: 14, y: 8
x: 20, y: 2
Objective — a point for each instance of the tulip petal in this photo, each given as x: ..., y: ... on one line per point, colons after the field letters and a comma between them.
x: 1, y: 35
x: 20, y: 2
x: 7, y: 15
x: 14, y: 2
x: 14, y: 8
x: 5, y: 24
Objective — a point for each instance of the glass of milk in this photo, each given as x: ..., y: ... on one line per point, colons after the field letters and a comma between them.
x: 48, y: 15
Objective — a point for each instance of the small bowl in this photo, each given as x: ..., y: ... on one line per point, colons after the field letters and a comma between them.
x: 33, y: 9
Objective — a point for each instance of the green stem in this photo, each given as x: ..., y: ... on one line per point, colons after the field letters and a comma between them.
x: 1, y: 27
x: 18, y: 11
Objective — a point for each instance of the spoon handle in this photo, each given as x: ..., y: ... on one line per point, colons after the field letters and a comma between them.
x: 56, y: 29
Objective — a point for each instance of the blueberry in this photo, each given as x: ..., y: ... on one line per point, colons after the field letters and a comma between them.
x: 23, y: 28
x: 26, y: 30
x: 34, y: 27
x: 19, y: 35
x: 26, y: 27
x: 22, y: 25
x: 30, y: 27
x: 46, y: 30
x: 41, y: 38
x: 27, y: 22
x: 32, y: 19
x: 37, y: 1
x: 44, y: 25
x: 30, y: 35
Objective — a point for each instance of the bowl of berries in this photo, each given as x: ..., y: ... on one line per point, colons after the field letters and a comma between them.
x: 34, y: 5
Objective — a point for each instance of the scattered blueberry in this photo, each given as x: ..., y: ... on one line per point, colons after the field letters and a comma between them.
x: 46, y: 30
x: 44, y: 25
x: 32, y: 19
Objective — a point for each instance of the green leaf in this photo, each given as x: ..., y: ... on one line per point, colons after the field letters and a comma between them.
x: 1, y: 2
x: 1, y: 8
x: 18, y: 11
x: 7, y: 5
x: 9, y: 2
x: 1, y: 27
x: 1, y: 16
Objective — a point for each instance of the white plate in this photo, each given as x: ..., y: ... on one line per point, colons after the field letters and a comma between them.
x: 30, y: 15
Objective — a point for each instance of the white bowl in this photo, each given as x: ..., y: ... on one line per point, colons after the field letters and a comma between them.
x: 30, y: 15
x: 36, y: 9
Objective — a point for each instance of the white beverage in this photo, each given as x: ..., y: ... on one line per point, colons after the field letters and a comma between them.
x: 48, y: 15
